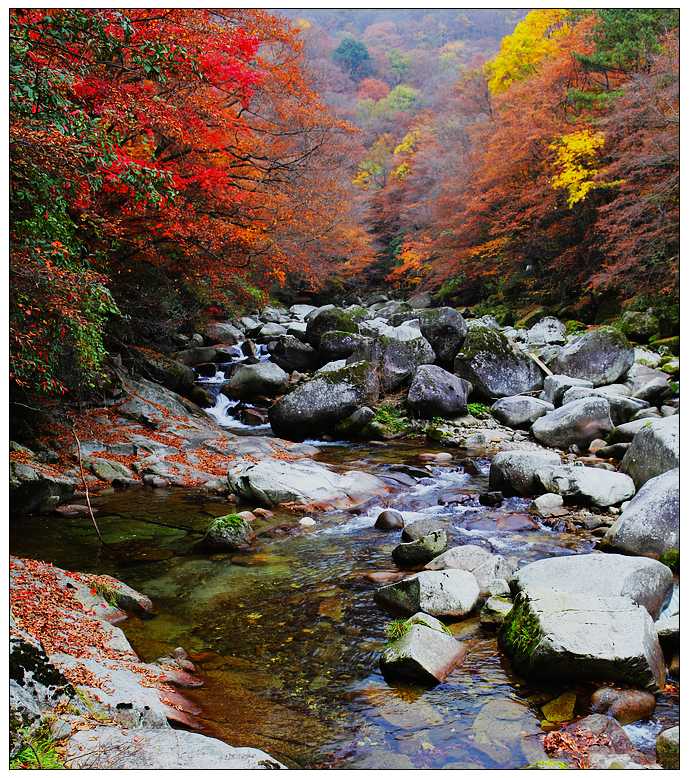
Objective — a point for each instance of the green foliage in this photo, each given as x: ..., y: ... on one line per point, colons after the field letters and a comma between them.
x: 107, y: 592
x: 401, y: 99
x: 399, y: 63
x: 479, y: 410
x: 626, y: 38
x: 451, y: 287
x: 521, y: 631
x: 400, y: 627
x: 502, y: 312
x: 671, y: 559
x: 231, y: 521
x: 391, y: 419
x: 574, y: 327
x: 352, y: 56
x: 548, y: 764
x: 38, y: 752
x: 397, y: 629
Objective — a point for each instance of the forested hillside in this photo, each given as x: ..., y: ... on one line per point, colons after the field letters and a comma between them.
x: 542, y: 169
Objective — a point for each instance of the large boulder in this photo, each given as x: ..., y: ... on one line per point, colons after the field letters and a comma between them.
x: 314, y: 407
x: 249, y: 381
x: 397, y: 354
x: 568, y: 636
x: 649, y: 525
x: 520, y: 410
x: 196, y: 355
x: 654, y: 450
x: 577, y: 423
x: 338, y: 345
x: 270, y: 331
x: 494, y: 367
x: 644, y: 581
x: 601, y: 356
x: 290, y: 354
x: 438, y: 592
x: 106, y: 747
x: 425, y: 652
x: 646, y: 383
x: 223, y: 332
x: 274, y: 481
x: 587, y: 485
x: 330, y: 320
x: 443, y: 328
x: 435, y: 392
x: 514, y: 472
x: 483, y: 565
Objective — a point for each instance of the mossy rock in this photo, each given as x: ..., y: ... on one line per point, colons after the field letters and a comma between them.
x: 334, y: 319
x: 494, y: 367
x: 228, y: 533
x: 639, y: 325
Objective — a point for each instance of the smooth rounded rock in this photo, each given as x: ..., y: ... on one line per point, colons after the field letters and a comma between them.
x: 389, y: 520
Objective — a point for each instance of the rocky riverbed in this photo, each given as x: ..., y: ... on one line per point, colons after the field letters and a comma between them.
x: 517, y: 603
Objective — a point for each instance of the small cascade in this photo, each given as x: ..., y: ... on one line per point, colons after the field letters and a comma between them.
x: 224, y: 409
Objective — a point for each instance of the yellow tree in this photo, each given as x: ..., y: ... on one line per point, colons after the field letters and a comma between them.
x: 534, y: 39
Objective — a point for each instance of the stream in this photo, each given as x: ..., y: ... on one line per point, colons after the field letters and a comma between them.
x: 287, y: 637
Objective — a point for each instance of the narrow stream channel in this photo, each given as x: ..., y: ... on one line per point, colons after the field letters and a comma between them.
x: 287, y: 637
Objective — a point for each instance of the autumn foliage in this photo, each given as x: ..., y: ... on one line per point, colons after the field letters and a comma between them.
x: 161, y: 158
x: 550, y: 175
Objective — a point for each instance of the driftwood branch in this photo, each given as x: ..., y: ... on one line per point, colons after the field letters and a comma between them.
x: 86, y: 488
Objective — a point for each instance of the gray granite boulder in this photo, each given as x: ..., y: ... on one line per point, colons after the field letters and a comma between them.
x: 554, y: 387
x: 435, y: 392
x: 271, y: 481
x: 569, y: 636
x: 443, y: 328
x: 622, y: 407
x: 520, y: 410
x: 438, y: 592
x: 587, y: 485
x: 494, y: 366
x: 250, y: 381
x: 315, y: 406
x: 577, y: 423
x: 644, y: 581
x: 425, y: 653
x: 418, y: 552
x: 105, y: 747
x: 483, y: 565
x: 649, y: 525
x: 602, y: 356
x: 514, y: 472
x: 654, y: 450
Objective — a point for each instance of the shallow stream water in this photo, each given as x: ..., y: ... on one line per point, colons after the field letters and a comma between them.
x: 287, y: 637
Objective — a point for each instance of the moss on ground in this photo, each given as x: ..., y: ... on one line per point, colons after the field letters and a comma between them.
x: 391, y: 419
x: 479, y: 410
